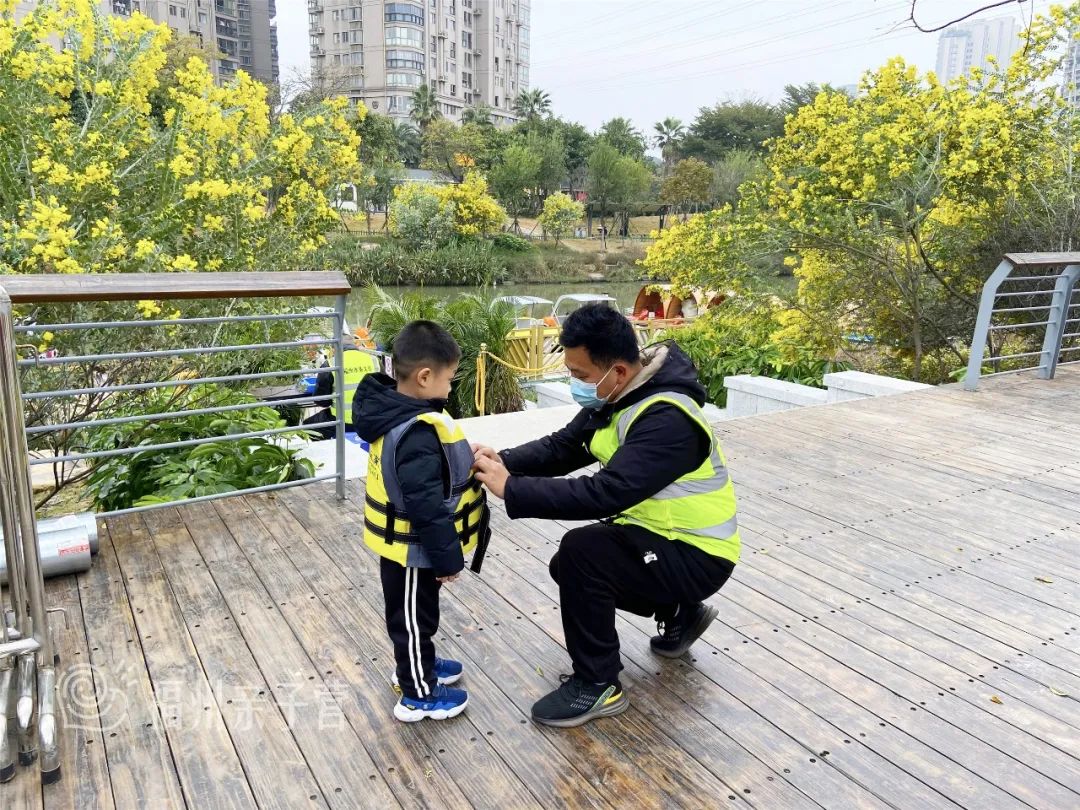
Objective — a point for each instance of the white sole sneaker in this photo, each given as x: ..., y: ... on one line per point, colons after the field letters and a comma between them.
x: 407, y: 715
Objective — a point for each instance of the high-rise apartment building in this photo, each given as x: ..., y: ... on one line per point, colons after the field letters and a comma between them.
x: 971, y: 44
x: 470, y: 52
x: 1070, y: 79
x: 241, y: 32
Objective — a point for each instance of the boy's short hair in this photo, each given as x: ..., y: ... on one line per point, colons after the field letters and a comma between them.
x: 420, y: 344
x: 604, y: 332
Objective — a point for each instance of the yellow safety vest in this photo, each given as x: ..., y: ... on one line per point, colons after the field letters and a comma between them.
x: 387, y: 530
x: 698, y: 508
x: 357, y: 365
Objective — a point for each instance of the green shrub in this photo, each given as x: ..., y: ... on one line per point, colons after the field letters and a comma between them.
x: 160, y: 476
x: 512, y: 243
x: 472, y: 320
x: 468, y: 264
x: 737, y: 338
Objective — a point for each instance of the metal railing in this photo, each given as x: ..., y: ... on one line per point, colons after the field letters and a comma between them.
x: 1027, y: 291
x: 26, y: 654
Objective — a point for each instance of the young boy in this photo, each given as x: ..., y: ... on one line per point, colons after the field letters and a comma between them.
x: 423, y: 512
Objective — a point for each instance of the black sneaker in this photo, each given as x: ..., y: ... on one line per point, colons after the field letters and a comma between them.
x: 677, y: 634
x: 577, y: 702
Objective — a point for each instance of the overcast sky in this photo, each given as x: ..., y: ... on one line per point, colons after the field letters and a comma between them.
x: 648, y: 59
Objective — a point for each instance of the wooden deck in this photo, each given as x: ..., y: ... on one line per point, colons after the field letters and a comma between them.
x: 902, y: 632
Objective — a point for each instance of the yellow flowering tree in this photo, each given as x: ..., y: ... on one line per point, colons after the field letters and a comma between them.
x: 111, y: 162
x: 92, y: 181
x: 428, y: 216
x: 886, y: 203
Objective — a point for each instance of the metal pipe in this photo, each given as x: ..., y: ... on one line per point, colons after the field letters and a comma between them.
x: 18, y: 647
x: 199, y: 350
x: 8, y: 467
x: 116, y: 389
x: 339, y: 361
x: 66, y: 551
x: 24, y: 503
x: 48, y: 731
x: 25, y: 716
x: 127, y: 451
x: 87, y: 520
x: 56, y: 327
x: 1025, y: 325
x: 7, y: 756
x: 149, y: 417
x: 1012, y: 357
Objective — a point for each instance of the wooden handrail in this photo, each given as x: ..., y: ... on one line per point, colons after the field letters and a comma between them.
x: 1042, y: 259
x: 42, y: 289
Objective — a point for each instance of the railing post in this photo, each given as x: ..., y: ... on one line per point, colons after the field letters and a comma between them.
x: 339, y: 392
x: 982, y: 324
x: 36, y: 728
x: 1057, y: 317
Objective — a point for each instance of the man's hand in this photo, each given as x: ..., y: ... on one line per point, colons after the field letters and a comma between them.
x: 451, y: 578
x: 483, y: 451
x: 492, y: 474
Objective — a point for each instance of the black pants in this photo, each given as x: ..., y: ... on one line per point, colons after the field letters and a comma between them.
x: 606, y: 567
x: 412, y: 619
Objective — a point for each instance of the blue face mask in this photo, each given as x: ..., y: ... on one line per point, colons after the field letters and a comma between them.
x: 584, y: 393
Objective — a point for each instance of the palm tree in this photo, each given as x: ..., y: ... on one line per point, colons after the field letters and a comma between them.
x: 425, y: 106
x: 532, y: 105
x: 480, y: 114
x: 408, y: 143
x: 669, y: 134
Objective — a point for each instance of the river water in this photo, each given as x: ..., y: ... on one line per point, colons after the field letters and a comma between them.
x: 359, y: 306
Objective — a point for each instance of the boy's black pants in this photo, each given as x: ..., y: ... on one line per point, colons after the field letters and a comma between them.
x: 412, y: 620
x: 606, y: 567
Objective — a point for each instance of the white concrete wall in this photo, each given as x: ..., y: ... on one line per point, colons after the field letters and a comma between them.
x: 848, y: 385
x: 748, y: 395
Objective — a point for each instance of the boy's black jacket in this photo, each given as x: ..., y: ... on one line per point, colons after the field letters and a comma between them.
x: 421, y: 466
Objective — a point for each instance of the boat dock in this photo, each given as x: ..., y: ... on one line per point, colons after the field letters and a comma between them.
x: 902, y: 632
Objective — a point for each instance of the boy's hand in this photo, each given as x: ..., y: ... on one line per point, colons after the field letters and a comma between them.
x: 483, y: 451
x: 492, y: 474
x: 444, y: 580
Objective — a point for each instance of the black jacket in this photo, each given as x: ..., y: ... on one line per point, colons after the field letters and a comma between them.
x: 421, y: 466
x: 662, y: 445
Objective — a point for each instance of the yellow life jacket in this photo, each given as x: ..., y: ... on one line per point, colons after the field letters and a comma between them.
x: 387, y: 530
x: 698, y: 508
x: 357, y: 365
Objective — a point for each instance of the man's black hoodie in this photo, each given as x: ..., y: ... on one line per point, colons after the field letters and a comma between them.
x: 421, y: 466
x: 662, y: 445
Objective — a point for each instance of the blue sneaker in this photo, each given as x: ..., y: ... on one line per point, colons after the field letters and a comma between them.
x: 447, y: 671
x: 442, y: 704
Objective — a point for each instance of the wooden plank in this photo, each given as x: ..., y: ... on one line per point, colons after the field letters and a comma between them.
x: 767, y: 692
x: 142, y: 772
x: 348, y: 591
x: 40, y: 289
x: 894, y: 611
x: 206, y: 760
x: 84, y: 770
x: 883, y: 581
x: 344, y: 668
x: 288, y: 759
x: 1042, y: 259
x: 520, y: 673
x: 1026, y: 767
x: 929, y: 652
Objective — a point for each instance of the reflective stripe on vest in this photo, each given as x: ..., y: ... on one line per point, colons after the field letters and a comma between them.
x: 357, y: 365
x: 387, y: 530
x: 698, y: 508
